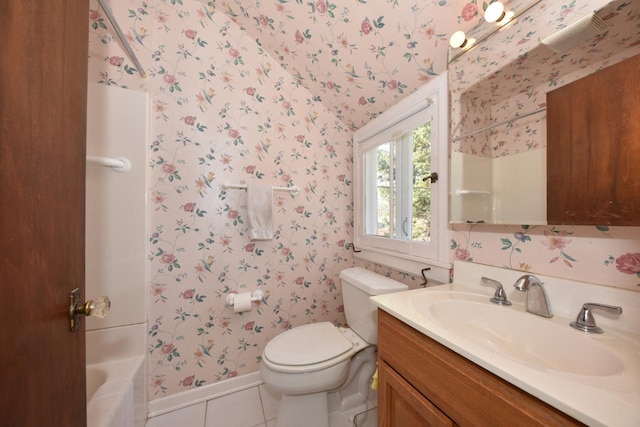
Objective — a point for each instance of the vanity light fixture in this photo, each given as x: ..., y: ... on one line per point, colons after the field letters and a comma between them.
x: 495, y: 13
x: 459, y: 40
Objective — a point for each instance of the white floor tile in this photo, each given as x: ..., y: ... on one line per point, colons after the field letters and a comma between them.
x: 241, y: 409
x: 192, y: 416
x: 270, y: 402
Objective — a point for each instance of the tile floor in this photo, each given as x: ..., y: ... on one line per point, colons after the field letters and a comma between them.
x: 252, y: 407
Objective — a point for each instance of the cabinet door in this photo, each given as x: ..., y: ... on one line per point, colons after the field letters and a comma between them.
x: 400, y: 405
x: 468, y: 394
x: 593, y: 148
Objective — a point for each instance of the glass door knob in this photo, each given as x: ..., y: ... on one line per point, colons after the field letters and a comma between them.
x: 97, y: 308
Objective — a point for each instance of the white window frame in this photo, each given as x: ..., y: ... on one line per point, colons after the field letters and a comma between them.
x: 407, y: 255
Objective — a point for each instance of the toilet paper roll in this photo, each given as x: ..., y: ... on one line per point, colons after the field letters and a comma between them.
x: 242, y: 302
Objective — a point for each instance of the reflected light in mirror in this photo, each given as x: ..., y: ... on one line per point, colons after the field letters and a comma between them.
x: 495, y: 12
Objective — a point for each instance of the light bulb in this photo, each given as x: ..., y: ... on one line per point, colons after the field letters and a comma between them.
x: 458, y: 39
x: 495, y: 12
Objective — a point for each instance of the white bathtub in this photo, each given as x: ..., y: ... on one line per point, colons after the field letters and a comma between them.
x: 115, y: 393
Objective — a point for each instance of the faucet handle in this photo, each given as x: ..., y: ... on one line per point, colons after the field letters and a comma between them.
x: 585, y: 320
x: 500, y: 297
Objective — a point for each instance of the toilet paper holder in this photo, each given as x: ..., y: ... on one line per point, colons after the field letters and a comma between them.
x: 255, y: 296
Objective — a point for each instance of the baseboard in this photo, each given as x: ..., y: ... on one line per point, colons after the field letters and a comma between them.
x: 196, y: 395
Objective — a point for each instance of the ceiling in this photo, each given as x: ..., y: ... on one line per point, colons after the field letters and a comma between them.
x: 357, y: 57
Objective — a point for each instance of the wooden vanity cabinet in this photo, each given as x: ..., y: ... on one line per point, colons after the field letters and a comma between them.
x: 404, y: 405
x: 423, y: 383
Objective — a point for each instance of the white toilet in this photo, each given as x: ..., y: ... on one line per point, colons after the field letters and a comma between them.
x: 309, y: 362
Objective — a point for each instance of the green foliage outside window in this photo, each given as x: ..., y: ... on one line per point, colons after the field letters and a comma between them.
x: 421, y: 191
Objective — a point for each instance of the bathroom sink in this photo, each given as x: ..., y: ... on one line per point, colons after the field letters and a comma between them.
x: 522, y: 337
x: 593, y: 377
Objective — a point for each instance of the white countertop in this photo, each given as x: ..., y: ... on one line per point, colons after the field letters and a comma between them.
x: 597, y: 400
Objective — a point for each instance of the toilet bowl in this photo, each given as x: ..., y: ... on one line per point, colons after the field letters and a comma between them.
x: 307, y: 362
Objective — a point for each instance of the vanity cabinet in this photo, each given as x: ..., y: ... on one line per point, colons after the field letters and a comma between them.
x: 404, y: 405
x: 423, y: 383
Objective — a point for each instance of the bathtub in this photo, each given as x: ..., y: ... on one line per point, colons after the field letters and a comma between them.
x: 115, y: 393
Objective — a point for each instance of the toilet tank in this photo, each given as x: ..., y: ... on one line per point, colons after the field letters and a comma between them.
x: 358, y: 284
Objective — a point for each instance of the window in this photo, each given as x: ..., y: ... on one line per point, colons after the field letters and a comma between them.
x: 398, y: 205
x: 400, y: 213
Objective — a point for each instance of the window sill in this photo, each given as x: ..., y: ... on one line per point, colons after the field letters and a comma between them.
x: 440, y: 271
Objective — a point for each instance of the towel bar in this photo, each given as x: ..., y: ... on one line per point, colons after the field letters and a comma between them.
x: 293, y: 190
x: 120, y: 164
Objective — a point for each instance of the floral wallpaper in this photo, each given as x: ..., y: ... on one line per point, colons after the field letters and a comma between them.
x: 358, y: 57
x: 224, y: 109
x: 604, y: 255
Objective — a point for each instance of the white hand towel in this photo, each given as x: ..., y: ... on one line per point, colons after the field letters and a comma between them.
x: 260, y: 211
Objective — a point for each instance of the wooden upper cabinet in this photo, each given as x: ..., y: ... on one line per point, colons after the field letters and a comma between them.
x: 593, y: 148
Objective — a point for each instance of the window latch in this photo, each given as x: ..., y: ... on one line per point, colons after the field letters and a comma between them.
x: 432, y: 177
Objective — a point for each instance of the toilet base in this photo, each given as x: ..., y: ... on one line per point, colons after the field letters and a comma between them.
x: 312, y: 410
x: 355, y: 396
x: 365, y: 415
x: 335, y: 408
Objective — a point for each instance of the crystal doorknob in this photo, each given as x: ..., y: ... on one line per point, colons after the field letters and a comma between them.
x: 97, y: 308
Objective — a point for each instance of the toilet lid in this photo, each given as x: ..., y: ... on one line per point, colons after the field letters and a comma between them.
x: 307, y: 345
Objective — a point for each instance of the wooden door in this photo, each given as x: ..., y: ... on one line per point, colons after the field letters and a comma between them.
x: 42, y: 175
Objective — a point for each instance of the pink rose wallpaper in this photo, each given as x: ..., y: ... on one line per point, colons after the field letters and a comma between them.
x: 240, y: 92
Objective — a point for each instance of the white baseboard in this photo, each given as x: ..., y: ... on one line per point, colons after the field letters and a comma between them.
x: 196, y: 395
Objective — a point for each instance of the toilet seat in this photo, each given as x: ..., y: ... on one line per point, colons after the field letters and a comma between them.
x: 310, y: 348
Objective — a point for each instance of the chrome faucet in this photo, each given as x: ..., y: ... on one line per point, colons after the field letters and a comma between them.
x: 537, y: 299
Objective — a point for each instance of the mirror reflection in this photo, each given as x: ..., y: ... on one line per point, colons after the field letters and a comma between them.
x: 498, y: 103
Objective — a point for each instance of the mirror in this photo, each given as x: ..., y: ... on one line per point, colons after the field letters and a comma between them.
x: 498, y: 104
x: 483, y: 30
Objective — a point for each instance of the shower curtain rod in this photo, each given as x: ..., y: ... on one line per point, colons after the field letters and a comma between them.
x: 495, y: 125
x: 122, y: 38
